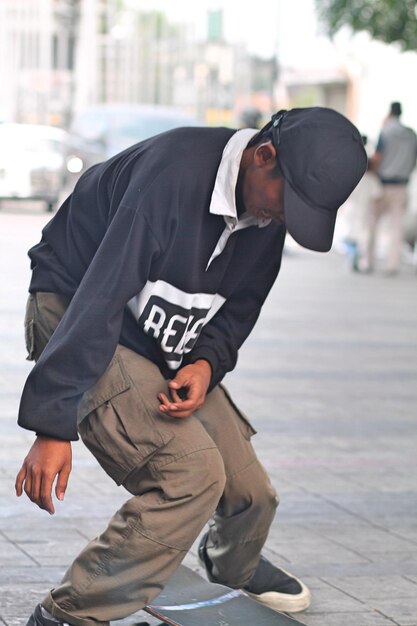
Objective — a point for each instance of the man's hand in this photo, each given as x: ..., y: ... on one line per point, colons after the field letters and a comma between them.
x: 188, y: 390
x: 47, y: 459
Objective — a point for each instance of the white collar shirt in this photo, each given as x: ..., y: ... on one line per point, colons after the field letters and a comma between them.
x: 223, y: 199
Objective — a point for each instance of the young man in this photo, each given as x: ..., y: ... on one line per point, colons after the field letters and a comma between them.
x: 393, y: 161
x: 150, y: 277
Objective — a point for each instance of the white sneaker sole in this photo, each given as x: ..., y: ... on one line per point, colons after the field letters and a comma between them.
x: 284, y: 602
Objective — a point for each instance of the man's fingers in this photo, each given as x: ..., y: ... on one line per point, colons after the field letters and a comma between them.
x: 19, y: 480
x: 166, y: 403
x: 62, y: 482
x: 176, y: 403
x: 178, y: 381
x: 35, y: 486
x: 187, y: 393
x: 27, y: 485
x: 175, y: 396
x: 45, y: 496
x: 38, y: 487
x: 184, y: 408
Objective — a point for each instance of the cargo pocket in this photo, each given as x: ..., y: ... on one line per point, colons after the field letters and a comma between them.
x: 245, y: 426
x: 117, y: 426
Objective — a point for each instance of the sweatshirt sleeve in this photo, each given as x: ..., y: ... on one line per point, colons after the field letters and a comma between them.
x: 85, y: 340
x: 222, y: 337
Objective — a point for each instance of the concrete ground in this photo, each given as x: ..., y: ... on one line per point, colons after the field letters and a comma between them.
x: 329, y: 378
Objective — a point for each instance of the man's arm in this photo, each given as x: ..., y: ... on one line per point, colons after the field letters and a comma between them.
x: 78, y: 354
x: 85, y: 340
x: 215, y: 352
x: 222, y: 337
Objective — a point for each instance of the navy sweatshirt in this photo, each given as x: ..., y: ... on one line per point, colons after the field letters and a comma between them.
x: 130, y: 247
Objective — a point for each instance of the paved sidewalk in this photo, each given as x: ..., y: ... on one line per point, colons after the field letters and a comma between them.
x: 329, y: 379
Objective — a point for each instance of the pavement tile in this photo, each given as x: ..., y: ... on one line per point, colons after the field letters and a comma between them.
x: 377, y: 568
x: 379, y: 507
x: 58, y: 553
x: 22, y: 575
x: 312, y: 548
x: 376, y: 588
x: 310, y: 479
x: 402, y: 611
x: 367, y: 618
x: 299, y: 507
x: 397, y: 479
x: 367, y: 539
x: 407, y: 556
x: 18, y: 601
x: 12, y: 556
x: 327, y: 598
x: 396, y: 600
x: 407, y: 531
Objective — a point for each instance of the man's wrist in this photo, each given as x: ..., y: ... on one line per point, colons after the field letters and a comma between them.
x: 204, y: 363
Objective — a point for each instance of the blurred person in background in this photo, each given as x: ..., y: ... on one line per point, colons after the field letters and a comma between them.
x: 251, y: 117
x: 393, y: 162
x: 144, y: 286
x: 354, y: 217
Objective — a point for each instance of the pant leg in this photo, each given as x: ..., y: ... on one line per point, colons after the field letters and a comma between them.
x: 171, y: 466
x: 240, y: 525
x: 377, y: 209
x: 164, y: 459
x: 175, y: 492
x: 396, y: 207
x: 175, y: 473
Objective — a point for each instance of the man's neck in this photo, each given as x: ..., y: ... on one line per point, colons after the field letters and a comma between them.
x: 246, y: 157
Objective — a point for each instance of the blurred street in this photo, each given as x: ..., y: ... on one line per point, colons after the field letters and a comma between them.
x: 329, y: 380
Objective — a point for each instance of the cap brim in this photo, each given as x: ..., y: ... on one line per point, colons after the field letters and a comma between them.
x: 311, y: 227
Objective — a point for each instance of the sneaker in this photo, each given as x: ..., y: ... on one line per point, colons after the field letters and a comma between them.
x: 278, y: 589
x: 270, y: 585
x: 42, y: 617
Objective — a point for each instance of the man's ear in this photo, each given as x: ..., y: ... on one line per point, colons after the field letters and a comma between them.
x: 265, y: 155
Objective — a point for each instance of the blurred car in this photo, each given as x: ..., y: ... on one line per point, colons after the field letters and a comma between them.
x: 32, y: 159
x: 102, y: 131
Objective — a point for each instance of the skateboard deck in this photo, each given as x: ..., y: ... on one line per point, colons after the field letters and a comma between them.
x: 189, y: 600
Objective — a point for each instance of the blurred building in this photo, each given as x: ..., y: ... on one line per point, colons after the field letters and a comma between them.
x: 37, y: 45
x: 60, y: 56
x: 222, y: 79
x: 332, y: 87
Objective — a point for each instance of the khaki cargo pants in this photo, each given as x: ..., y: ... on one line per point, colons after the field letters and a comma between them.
x: 181, y: 474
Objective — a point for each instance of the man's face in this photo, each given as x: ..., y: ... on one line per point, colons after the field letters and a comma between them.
x: 262, y: 189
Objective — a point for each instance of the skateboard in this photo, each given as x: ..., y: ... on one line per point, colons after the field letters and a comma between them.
x: 189, y: 600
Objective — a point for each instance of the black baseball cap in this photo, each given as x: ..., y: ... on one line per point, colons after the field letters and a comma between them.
x: 322, y: 158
